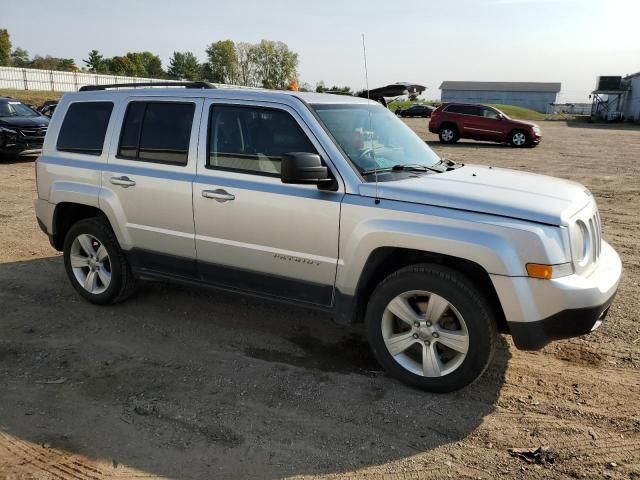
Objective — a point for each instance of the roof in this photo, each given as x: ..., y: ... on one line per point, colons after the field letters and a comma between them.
x: 229, y: 93
x: 628, y: 77
x: 503, y: 86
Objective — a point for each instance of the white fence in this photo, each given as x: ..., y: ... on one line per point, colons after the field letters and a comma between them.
x: 54, y: 81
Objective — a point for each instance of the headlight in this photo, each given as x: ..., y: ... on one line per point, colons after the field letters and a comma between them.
x: 8, y: 136
x: 536, y: 129
x: 581, y: 243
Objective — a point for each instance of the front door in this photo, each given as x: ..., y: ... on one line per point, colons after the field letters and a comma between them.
x: 147, y: 183
x: 253, y: 232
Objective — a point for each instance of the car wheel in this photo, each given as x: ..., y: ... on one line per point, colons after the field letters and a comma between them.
x: 95, y: 263
x: 448, y: 134
x: 519, y: 139
x: 430, y: 328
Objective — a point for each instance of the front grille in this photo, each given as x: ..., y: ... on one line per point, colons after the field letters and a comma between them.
x: 37, y: 132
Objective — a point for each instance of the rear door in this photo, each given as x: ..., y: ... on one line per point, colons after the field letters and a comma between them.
x: 253, y: 232
x: 147, y: 183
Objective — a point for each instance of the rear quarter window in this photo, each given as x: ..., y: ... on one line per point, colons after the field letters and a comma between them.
x: 84, y: 127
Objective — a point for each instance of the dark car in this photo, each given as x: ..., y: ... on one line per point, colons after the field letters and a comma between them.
x: 22, y: 129
x: 453, y: 121
x: 416, y: 110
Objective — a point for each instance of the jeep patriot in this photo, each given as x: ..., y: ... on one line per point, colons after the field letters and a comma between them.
x: 324, y: 201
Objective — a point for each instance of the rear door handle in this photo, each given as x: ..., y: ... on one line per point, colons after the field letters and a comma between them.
x: 123, y: 181
x: 219, y: 195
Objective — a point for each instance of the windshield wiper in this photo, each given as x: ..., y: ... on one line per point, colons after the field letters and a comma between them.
x: 416, y: 167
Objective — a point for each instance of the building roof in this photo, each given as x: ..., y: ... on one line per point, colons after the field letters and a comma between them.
x: 632, y: 75
x: 503, y: 86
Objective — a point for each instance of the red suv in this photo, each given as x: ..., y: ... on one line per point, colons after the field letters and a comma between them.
x: 453, y: 121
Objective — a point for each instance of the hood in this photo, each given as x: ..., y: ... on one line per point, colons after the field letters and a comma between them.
x: 523, y: 122
x: 24, y: 122
x: 495, y: 191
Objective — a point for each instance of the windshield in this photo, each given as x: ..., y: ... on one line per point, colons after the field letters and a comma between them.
x: 373, y: 137
x: 16, y: 109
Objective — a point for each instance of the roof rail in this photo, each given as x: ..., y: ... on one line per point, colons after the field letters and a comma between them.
x: 88, y: 88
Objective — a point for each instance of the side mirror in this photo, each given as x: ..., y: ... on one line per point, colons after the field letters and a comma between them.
x: 500, y: 116
x: 304, y: 168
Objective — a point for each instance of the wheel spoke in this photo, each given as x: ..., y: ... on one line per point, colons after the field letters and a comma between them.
x: 400, y: 308
x: 455, y: 340
x: 87, y: 245
x: 78, y: 261
x: 102, y: 254
x: 435, y: 308
x: 399, y: 343
x: 105, y: 277
x: 90, y: 283
x: 431, y: 364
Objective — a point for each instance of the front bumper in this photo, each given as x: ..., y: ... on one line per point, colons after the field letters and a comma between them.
x: 540, y: 311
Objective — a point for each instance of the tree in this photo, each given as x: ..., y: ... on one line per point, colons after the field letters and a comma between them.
x: 184, y: 65
x: 119, y: 65
x: 5, y: 48
x: 20, y: 58
x: 223, y: 62
x: 53, y: 63
x: 146, y: 64
x: 246, y: 56
x: 96, y: 62
x: 276, y: 64
x: 67, y: 65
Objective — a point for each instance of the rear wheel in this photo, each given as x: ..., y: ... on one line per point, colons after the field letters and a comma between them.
x: 519, y: 139
x: 448, y: 134
x: 430, y: 328
x: 95, y: 263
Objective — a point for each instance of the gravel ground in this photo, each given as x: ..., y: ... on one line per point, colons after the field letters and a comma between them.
x: 187, y: 383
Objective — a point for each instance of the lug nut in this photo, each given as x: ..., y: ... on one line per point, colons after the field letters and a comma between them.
x: 435, y: 335
x: 415, y: 335
x: 428, y: 324
x: 427, y: 343
x: 416, y: 324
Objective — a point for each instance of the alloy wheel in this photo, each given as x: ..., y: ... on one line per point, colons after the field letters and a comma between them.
x: 425, y: 334
x: 90, y: 264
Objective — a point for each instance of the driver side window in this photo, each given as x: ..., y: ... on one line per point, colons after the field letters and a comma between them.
x: 253, y: 140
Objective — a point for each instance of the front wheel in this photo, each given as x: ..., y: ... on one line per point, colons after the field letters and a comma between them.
x: 519, y: 139
x: 430, y: 328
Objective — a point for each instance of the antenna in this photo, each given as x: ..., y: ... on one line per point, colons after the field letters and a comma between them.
x: 366, y: 78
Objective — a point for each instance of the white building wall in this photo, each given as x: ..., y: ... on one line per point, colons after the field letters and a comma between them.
x: 539, y: 101
x: 632, y: 110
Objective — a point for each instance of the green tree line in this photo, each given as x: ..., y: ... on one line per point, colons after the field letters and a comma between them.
x: 267, y: 64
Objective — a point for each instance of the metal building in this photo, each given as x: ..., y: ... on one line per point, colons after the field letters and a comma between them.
x: 632, y: 107
x: 534, y: 95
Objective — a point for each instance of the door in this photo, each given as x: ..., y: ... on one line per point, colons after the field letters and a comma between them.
x: 147, y: 183
x: 484, y: 123
x: 253, y: 232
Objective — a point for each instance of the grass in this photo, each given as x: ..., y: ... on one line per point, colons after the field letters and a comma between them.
x: 31, y: 97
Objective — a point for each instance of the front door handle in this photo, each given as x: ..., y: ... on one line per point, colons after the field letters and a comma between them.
x: 123, y: 181
x: 219, y: 195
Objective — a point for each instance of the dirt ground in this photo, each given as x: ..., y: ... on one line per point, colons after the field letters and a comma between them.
x: 187, y: 383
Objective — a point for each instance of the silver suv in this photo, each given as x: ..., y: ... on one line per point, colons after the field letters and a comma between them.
x: 328, y: 202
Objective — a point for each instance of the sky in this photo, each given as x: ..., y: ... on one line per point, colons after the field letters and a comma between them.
x: 424, y: 42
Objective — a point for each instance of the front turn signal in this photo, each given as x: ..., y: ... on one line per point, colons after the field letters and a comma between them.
x: 547, y: 272
x: 538, y: 270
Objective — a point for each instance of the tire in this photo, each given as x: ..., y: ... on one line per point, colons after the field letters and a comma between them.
x: 105, y: 271
x: 519, y: 139
x: 448, y: 134
x: 422, y: 355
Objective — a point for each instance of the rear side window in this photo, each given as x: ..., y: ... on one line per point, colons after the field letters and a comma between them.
x: 253, y: 140
x: 157, y: 132
x: 84, y: 127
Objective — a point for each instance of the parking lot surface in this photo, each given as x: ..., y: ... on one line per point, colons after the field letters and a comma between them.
x: 181, y: 382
